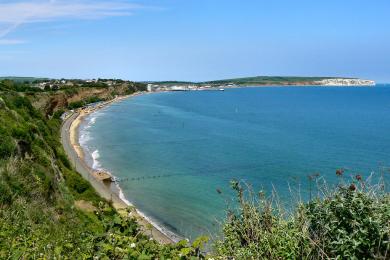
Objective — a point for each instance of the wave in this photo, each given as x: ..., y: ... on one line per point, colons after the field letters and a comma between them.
x: 84, y: 138
x: 95, y: 162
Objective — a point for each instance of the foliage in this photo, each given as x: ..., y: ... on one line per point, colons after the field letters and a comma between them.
x: 348, y: 222
x: 81, y: 103
x: 11, y: 85
x: 352, y: 222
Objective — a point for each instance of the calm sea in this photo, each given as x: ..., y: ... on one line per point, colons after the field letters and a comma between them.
x: 172, y: 151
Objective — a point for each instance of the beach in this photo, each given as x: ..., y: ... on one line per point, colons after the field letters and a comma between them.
x: 109, y: 191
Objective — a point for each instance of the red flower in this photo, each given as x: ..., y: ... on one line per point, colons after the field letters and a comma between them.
x: 352, y: 187
x: 358, y: 177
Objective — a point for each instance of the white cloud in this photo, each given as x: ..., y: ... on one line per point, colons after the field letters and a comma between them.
x: 10, y: 42
x: 13, y: 14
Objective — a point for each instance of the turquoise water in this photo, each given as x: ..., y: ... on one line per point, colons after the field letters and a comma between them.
x: 173, y: 150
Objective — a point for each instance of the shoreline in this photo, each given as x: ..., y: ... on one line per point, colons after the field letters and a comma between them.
x: 111, y: 191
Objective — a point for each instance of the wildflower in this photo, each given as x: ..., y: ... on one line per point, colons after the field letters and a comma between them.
x: 358, y: 177
x: 132, y: 245
x: 352, y: 187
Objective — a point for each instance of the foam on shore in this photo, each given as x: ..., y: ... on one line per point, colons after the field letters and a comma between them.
x: 95, y: 163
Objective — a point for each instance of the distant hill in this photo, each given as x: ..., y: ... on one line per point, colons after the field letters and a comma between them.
x: 269, y: 80
x: 22, y: 79
x: 258, y: 80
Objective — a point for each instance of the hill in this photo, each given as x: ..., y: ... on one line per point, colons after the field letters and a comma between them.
x: 23, y: 79
x: 269, y: 80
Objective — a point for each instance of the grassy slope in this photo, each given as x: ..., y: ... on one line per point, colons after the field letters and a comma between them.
x: 37, y: 186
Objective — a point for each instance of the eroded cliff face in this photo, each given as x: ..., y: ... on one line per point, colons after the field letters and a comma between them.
x: 51, y: 102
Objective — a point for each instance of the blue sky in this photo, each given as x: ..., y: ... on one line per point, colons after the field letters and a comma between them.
x: 195, y: 39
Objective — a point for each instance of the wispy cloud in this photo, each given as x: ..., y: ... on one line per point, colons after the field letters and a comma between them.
x: 11, y: 42
x: 16, y: 13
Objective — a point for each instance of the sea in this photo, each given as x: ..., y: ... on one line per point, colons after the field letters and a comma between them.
x: 174, y: 154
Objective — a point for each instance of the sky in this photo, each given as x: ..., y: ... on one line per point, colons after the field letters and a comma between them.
x: 194, y: 40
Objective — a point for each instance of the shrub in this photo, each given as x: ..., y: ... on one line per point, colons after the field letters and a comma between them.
x: 352, y: 221
x: 5, y: 194
x: 260, y: 229
x: 7, y: 146
x: 76, y: 183
x: 76, y: 104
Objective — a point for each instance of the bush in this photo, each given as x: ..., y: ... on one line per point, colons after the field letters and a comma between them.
x: 353, y: 222
x: 81, y: 103
x: 5, y: 194
x: 260, y: 229
x: 76, y: 183
x: 350, y: 222
x: 7, y: 146
x: 76, y: 104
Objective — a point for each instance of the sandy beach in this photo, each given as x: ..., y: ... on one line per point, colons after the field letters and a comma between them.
x: 110, y: 191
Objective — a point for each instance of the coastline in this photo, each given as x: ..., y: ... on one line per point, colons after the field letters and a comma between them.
x: 110, y: 191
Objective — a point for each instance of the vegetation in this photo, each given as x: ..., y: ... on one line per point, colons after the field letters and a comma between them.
x: 351, y: 221
x: 10, y: 85
x: 24, y: 79
x: 40, y: 191
x: 81, y: 103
